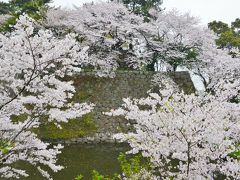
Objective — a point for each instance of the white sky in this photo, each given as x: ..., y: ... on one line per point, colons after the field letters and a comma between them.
x: 207, y: 10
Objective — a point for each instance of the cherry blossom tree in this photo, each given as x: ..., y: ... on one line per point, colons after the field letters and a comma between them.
x: 189, y: 136
x: 181, y: 41
x: 185, y: 136
x: 122, y: 39
x: 33, y: 63
x: 110, y: 30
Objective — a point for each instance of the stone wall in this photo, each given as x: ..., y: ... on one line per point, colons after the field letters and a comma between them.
x: 107, y: 94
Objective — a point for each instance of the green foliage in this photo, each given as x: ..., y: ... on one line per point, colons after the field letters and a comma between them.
x: 97, y: 176
x: 108, y: 35
x: 190, y: 54
x: 143, y: 67
x: 218, y: 27
x: 228, y: 37
x: 34, y: 8
x: 236, y: 154
x: 19, y: 118
x: 77, y: 127
x: 150, y: 67
x: 133, y: 165
x: 235, y: 99
x: 236, y: 23
x: 142, y: 7
x: 79, y: 177
x: 5, y: 8
x: 4, y: 147
x: 129, y: 166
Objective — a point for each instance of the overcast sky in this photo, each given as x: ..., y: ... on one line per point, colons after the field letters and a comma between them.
x: 207, y: 10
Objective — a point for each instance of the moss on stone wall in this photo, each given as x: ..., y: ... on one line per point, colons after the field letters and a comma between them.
x: 106, y: 93
x: 20, y: 118
x: 75, y: 128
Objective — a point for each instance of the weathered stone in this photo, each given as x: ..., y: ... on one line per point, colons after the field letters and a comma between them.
x: 107, y: 94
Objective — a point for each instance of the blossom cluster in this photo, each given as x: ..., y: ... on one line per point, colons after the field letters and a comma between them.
x: 32, y: 64
x: 185, y: 136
